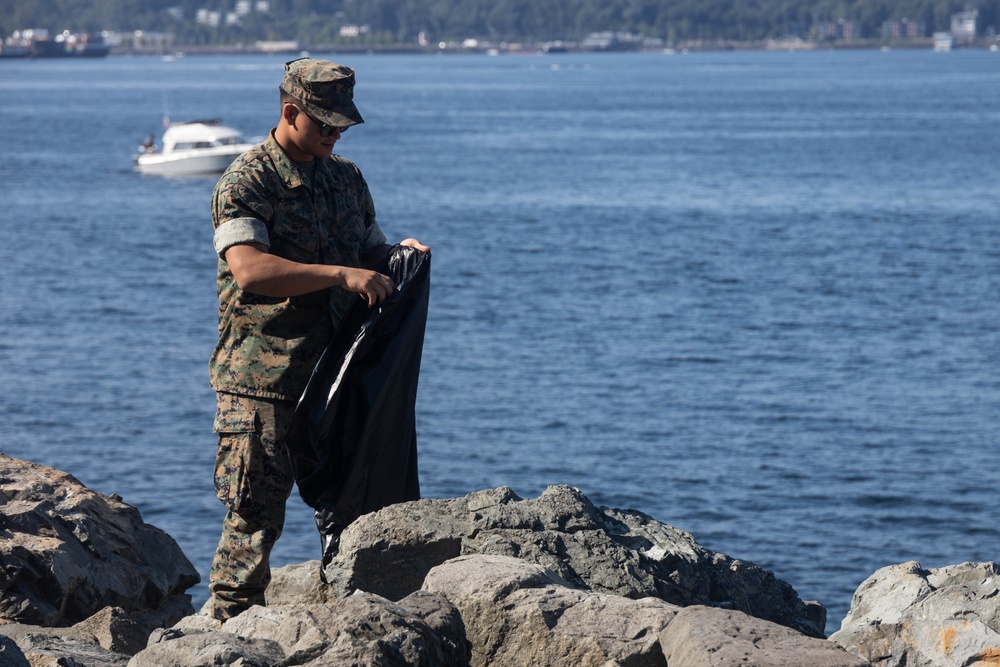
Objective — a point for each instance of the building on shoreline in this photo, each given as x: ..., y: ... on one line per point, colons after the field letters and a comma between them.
x: 963, y: 26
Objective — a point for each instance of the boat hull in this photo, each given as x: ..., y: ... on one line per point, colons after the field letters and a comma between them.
x: 193, y: 162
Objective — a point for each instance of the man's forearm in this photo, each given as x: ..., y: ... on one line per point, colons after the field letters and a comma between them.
x: 261, y: 273
x: 269, y: 275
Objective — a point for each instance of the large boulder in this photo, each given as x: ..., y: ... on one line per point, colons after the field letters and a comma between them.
x: 48, y: 649
x: 299, y: 585
x: 106, y: 639
x: 907, y: 615
x: 67, y: 552
x: 422, y: 630
x: 711, y: 637
x: 618, y: 552
x: 518, y: 613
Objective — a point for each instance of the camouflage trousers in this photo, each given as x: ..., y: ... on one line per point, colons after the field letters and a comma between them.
x: 253, y: 479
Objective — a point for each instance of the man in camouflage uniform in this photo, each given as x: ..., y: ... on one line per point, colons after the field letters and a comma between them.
x: 294, y: 227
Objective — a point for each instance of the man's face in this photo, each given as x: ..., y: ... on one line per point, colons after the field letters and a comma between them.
x: 324, y: 136
x: 307, y: 135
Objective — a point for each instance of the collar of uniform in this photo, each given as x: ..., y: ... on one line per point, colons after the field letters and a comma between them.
x: 290, y: 172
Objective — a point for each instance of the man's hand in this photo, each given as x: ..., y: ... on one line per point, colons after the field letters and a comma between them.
x: 413, y: 243
x: 374, y: 287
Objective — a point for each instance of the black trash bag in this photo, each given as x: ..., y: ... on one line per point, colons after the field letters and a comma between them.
x: 353, y: 439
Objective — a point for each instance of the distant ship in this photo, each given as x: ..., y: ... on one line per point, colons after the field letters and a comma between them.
x: 37, y: 43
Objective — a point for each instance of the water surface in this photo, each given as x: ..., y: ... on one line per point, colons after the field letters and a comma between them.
x: 753, y: 295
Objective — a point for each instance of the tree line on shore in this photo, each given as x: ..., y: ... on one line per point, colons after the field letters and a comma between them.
x: 376, y: 22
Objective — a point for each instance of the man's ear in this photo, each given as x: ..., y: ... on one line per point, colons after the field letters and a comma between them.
x: 289, y: 112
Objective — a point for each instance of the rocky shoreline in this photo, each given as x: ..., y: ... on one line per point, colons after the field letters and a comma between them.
x: 486, y: 579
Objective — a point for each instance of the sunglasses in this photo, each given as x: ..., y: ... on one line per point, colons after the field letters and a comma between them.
x: 324, y: 129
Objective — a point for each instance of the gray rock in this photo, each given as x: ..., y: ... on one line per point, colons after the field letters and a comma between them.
x: 46, y: 647
x: 363, y: 629
x: 200, y: 622
x: 208, y: 649
x: 354, y: 630
x: 517, y: 613
x: 68, y: 552
x: 444, y: 619
x: 619, y: 552
x: 298, y: 584
x: 11, y: 654
x: 709, y: 637
x: 108, y: 637
x: 111, y: 629
x: 295, y: 585
x: 114, y: 629
x: 904, y: 615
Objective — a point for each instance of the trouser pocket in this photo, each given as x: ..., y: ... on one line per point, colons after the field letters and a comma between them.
x: 253, y: 475
x: 239, y: 461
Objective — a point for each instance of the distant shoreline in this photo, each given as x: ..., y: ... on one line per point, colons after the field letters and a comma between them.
x: 530, y: 49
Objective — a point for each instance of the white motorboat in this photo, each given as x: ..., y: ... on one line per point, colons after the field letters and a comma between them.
x: 198, y: 147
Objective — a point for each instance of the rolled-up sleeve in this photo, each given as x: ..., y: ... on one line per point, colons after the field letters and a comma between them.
x: 240, y: 210
x: 239, y: 231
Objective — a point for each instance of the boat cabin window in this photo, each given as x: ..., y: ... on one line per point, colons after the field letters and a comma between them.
x: 188, y: 145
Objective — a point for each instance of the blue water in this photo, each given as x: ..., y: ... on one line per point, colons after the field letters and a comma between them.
x: 754, y: 295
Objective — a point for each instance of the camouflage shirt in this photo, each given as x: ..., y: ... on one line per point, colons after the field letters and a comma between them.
x: 268, y: 346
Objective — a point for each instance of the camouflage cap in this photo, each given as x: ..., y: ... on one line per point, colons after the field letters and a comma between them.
x: 325, y: 89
